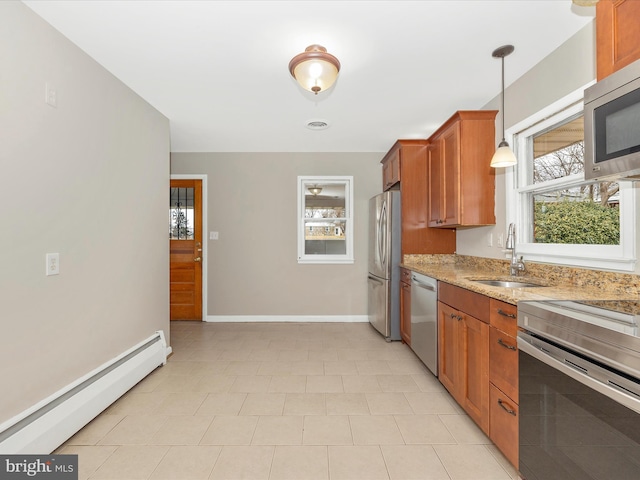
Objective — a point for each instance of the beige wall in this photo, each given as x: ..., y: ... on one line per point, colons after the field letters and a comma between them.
x: 253, y: 267
x: 88, y: 179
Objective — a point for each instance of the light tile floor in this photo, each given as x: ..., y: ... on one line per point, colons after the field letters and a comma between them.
x: 286, y: 401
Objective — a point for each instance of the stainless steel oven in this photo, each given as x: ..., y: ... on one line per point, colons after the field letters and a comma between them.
x: 579, y: 371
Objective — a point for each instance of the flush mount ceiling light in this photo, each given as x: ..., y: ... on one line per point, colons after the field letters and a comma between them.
x: 503, y: 157
x: 315, y: 69
x: 315, y: 190
x: 585, y: 3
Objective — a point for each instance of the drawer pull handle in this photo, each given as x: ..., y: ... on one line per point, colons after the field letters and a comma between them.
x: 505, y: 314
x: 510, y: 347
x: 506, y: 409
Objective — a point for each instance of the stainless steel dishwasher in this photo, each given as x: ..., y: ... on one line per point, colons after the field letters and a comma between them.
x: 424, y: 320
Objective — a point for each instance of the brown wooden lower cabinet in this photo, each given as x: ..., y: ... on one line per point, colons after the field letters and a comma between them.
x: 503, y: 425
x: 503, y: 355
x: 405, y: 306
x: 463, y: 355
x: 503, y: 375
x: 478, y: 361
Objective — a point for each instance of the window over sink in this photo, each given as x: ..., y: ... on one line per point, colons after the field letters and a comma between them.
x: 325, y: 219
x: 561, y: 217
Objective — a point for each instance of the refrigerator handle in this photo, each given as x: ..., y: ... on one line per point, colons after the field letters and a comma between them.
x: 382, y: 237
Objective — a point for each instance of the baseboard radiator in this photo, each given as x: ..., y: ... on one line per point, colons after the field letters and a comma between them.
x: 45, y: 426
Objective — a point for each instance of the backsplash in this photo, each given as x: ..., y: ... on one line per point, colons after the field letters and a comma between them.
x: 610, y: 282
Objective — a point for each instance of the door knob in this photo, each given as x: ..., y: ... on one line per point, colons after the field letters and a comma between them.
x: 197, y: 259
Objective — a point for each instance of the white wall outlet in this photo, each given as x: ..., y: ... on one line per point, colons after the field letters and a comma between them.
x: 501, y: 240
x: 213, y: 236
x: 489, y: 239
x: 51, y: 96
x: 53, y: 264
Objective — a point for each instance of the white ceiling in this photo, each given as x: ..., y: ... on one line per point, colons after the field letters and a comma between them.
x: 219, y: 69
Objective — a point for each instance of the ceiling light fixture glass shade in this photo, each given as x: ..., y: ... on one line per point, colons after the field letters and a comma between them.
x: 315, y: 69
x: 585, y: 3
x: 503, y: 157
x: 315, y: 190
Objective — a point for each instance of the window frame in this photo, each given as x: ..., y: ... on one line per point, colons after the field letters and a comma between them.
x: 611, y: 257
x: 324, y: 259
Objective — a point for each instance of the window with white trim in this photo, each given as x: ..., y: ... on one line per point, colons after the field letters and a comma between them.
x: 325, y: 219
x: 560, y: 217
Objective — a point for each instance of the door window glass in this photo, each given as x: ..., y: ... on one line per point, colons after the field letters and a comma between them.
x: 181, y: 214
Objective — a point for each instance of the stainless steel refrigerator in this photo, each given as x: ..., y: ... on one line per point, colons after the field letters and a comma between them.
x: 384, y: 264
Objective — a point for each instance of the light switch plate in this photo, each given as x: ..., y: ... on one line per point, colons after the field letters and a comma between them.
x: 53, y: 264
x: 213, y: 236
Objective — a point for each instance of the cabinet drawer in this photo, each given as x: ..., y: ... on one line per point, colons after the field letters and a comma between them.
x: 503, y: 424
x: 466, y: 301
x: 503, y: 362
x: 405, y: 275
x: 504, y: 317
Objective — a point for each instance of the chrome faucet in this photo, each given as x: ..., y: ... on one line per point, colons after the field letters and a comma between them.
x: 517, y: 264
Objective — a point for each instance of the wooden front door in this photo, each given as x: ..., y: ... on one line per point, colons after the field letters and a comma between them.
x: 185, y: 259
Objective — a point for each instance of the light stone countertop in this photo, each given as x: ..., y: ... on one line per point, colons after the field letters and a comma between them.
x: 559, y: 283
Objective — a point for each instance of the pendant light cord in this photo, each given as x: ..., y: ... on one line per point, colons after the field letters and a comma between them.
x: 503, y: 99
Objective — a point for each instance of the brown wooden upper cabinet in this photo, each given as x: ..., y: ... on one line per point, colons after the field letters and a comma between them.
x: 405, y: 167
x: 391, y: 167
x: 461, y: 182
x: 617, y: 35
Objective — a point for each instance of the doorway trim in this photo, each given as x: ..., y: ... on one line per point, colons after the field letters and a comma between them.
x: 205, y: 234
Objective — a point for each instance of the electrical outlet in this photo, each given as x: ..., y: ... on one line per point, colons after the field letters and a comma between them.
x: 213, y: 236
x: 51, y: 96
x: 489, y: 239
x: 53, y: 264
x: 501, y: 240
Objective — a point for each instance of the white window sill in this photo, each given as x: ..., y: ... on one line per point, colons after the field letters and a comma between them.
x: 326, y: 261
x: 564, y: 256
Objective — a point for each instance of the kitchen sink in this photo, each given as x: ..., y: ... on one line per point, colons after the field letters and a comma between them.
x: 508, y: 283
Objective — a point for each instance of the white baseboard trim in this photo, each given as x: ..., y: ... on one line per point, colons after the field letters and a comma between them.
x: 287, y: 318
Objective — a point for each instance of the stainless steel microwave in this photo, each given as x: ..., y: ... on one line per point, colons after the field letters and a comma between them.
x: 612, y: 126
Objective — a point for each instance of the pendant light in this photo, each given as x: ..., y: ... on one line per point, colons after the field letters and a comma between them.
x: 503, y: 157
x: 315, y: 69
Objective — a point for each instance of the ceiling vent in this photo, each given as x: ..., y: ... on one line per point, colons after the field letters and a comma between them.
x: 317, y: 124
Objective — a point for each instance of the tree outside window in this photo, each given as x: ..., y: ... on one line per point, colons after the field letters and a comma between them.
x: 578, y: 212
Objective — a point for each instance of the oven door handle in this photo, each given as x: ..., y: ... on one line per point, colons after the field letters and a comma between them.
x: 546, y: 356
